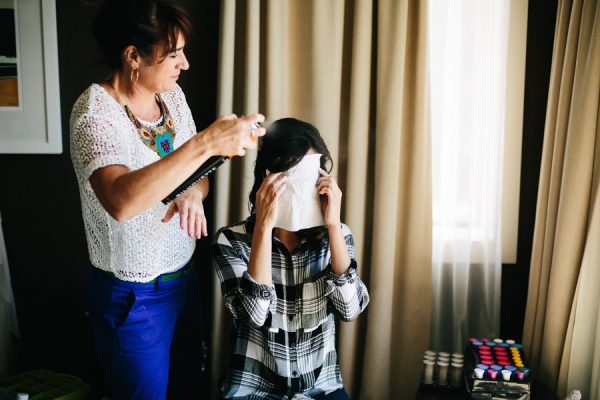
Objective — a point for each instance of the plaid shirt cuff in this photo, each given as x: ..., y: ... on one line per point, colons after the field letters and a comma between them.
x: 250, y: 287
x: 347, y: 277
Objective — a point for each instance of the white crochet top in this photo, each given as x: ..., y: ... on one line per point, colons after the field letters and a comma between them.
x: 143, y: 247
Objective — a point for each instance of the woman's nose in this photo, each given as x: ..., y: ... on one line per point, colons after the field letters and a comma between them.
x: 184, y: 64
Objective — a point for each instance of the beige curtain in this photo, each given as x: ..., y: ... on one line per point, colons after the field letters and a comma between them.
x: 565, y: 245
x: 357, y: 71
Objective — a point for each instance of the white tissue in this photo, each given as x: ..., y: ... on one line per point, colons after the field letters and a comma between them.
x: 299, y: 206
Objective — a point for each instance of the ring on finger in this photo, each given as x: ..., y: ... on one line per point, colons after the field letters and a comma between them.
x: 252, y: 128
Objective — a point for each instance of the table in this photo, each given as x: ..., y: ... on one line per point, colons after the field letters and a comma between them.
x: 430, y: 392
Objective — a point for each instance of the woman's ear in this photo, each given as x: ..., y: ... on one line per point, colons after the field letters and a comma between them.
x: 132, y: 57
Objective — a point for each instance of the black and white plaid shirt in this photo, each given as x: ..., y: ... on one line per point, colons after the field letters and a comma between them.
x: 284, y: 334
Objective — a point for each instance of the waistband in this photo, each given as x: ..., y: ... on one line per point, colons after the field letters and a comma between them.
x: 166, y: 277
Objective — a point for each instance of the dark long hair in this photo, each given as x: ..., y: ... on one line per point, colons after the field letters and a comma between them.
x: 287, y: 140
x: 152, y: 26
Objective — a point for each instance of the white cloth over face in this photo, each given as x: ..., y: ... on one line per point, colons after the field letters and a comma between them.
x: 299, y: 206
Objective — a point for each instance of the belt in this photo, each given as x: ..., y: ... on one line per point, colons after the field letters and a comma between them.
x: 169, y: 276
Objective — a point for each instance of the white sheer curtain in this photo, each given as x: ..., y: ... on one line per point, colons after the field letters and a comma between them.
x: 468, y: 64
x: 8, y: 315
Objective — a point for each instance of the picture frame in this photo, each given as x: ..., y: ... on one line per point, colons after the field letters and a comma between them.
x: 34, y: 125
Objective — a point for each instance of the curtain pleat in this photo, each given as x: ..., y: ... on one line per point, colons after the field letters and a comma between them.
x: 359, y: 169
x: 568, y: 187
x: 582, y: 368
x: 400, y: 279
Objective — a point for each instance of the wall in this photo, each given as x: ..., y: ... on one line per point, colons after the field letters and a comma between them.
x: 515, y: 277
x: 40, y: 204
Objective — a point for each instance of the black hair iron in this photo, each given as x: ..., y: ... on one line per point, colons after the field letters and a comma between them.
x: 208, y: 167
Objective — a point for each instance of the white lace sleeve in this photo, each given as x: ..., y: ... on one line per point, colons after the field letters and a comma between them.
x: 95, y: 143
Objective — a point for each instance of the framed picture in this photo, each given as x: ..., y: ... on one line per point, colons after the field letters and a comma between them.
x: 30, y: 118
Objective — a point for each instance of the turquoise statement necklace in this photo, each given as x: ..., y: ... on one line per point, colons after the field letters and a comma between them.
x: 160, y: 138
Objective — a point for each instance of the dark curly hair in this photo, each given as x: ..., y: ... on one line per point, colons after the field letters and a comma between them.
x: 152, y: 26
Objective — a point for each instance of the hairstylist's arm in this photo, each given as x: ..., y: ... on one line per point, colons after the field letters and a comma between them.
x: 125, y: 194
x: 267, y: 196
x: 331, y: 205
x: 191, y: 210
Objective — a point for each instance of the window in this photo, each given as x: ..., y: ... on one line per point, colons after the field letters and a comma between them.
x: 477, y: 69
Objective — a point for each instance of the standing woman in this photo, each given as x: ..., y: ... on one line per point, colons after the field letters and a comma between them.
x: 133, y: 141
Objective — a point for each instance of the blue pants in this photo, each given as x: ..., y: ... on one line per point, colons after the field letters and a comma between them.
x: 133, y: 326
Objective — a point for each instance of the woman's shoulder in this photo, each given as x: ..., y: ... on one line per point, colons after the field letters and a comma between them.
x: 234, y: 233
x: 321, y: 232
x: 174, y: 97
x: 94, y: 100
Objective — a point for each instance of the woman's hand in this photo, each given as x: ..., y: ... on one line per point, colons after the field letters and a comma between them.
x: 233, y: 136
x: 266, y: 200
x: 191, y: 212
x: 331, y: 199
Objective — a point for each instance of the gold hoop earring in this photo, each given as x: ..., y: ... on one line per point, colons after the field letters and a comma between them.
x: 137, y: 75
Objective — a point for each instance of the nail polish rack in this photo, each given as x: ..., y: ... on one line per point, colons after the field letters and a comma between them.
x: 498, y: 367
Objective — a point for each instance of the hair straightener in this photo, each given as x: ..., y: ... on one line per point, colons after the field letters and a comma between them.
x: 203, y: 171
x: 208, y: 167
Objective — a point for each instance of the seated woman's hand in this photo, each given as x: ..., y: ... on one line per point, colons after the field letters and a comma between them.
x: 267, y: 197
x: 331, y: 198
x: 191, y: 212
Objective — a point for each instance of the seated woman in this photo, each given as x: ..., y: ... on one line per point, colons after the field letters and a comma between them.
x: 286, y: 271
